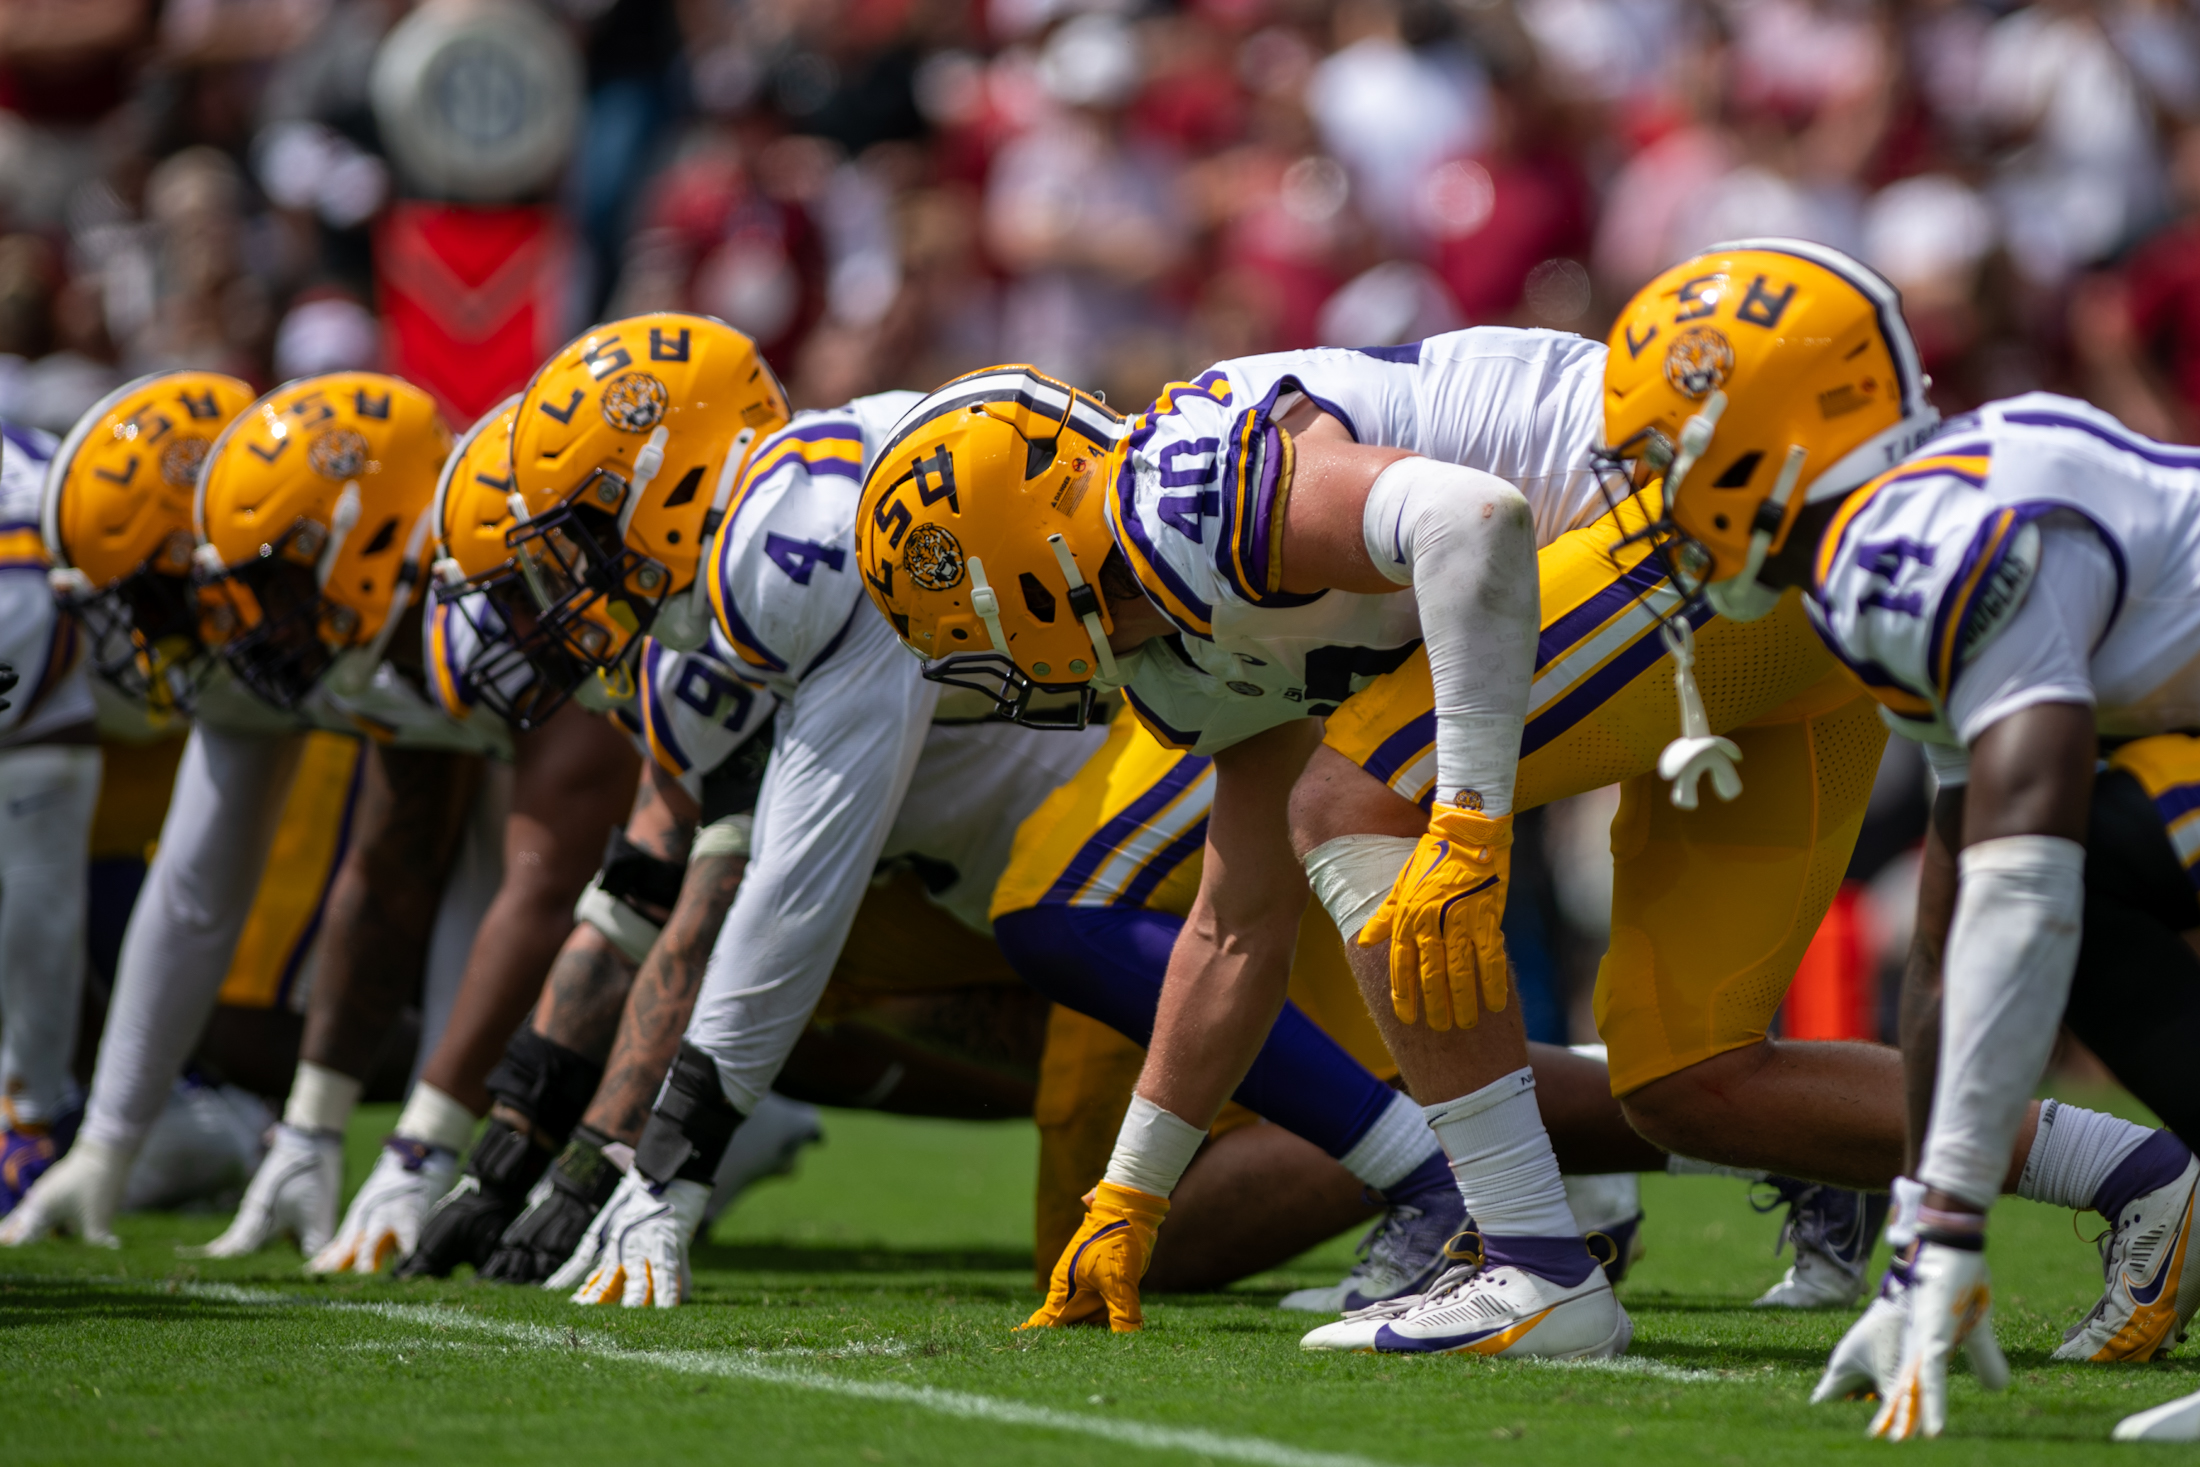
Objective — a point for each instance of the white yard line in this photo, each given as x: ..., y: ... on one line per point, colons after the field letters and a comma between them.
x: 754, y: 1366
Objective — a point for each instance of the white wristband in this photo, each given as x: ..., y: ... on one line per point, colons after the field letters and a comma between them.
x: 1152, y: 1149
x: 321, y: 1099
x: 435, y: 1118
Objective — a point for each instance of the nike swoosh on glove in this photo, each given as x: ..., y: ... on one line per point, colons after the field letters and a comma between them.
x: 294, y: 1191
x: 636, y: 1251
x: 1442, y: 921
x: 383, y: 1223
x: 1096, y: 1278
x: 1951, y: 1304
x: 78, y: 1194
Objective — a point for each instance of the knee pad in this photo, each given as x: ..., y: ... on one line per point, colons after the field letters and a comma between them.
x: 1352, y: 875
x: 545, y: 1082
x: 690, y: 1124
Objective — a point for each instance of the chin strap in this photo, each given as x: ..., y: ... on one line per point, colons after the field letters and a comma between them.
x: 987, y: 605
x: 529, y: 570
x: 1084, y: 603
x: 1698, y: 751
x: 339, y: 529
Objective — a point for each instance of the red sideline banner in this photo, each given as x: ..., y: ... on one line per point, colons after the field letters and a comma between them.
x: 472, y: 298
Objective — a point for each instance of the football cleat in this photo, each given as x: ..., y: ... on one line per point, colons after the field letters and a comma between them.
x: 2172, y: 1421
x: 383, y: 1223
x: 26, y: 1151
x: 636, y: 1251
x: 294, y: 1191
x: 1357, y: 1330
x: 1511, y: 1313
x: 1401, y: 1255
x: 1870, y: 1354
x: 2151, y: 1287
x: 1607, y: 1207
x: 1833, y: 1230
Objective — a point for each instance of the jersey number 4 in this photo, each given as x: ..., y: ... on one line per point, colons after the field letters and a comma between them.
x: 801, y: 558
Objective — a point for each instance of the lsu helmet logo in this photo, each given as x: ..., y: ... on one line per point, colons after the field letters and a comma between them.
x: 1699, y: 360
x: 635, y: 402
x: 338, y: 454
x: 933, y: 557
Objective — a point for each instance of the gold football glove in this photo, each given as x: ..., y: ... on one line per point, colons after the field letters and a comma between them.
x: 1097, y: 1275
x: 1442, y: 920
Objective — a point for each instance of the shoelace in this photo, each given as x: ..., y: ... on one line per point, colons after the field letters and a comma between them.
x: 1809, y: 1225
x: 1468, y: 1262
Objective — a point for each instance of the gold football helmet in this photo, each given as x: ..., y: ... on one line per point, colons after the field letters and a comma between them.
x: 312, y: 515
x: 1757, y: 377
x: 981, y: 532
x: 117, y: 524
x: 625, y: 450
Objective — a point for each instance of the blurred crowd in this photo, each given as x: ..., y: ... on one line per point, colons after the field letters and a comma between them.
x: 886, y: 192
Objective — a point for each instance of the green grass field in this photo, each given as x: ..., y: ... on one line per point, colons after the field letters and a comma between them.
x: 860, y: 1312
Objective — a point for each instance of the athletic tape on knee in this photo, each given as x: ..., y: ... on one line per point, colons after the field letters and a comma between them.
x: 689, y: 1125
x: 1353, y: 874
x: 545, y: 1082
x: 728, y: 837
x: 624, y: 928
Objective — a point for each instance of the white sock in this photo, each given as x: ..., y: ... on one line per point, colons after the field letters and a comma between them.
x: 1152, y: 1149
x: 1399, y: 1141
x: 1677, y: 1165
x: 321, y: 1099
x: 2072, y: 1154
x: 435, y: 1118
x: 1502, y: 1157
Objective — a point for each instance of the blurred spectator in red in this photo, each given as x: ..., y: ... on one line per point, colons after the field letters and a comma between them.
x: 1086, y: 219
x: 732, y: 240
x: 2136, y: 331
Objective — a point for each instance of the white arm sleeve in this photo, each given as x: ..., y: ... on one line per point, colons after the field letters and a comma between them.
x: 2012, y: 949
x: 2043, y: 655
x: 183, y: 932
x: 845, y: 749
x: 1465, y: 541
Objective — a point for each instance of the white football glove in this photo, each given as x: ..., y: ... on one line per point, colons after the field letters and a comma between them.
x: 636, y: 1251
x: 1951, y: 1304
x: 1870, y: 1354
x: 78, y: 1194
x: 383, y: 1223
x: 294, y: 1192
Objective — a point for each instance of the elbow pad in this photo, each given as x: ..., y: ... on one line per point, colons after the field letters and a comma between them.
x: 690, y: 1125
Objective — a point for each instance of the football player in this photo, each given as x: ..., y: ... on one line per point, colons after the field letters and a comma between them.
x: 341, y: 465
x: 49, y: 784
x: 866, y: 763
x: 2013, y: 587
x: 1245, y: 536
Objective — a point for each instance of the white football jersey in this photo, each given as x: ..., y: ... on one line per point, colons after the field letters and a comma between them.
x: 1195, y: 511
x: 693, y: 711
x: 866, y: 762
x: 44, y: 646
x: 1946, y: 584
